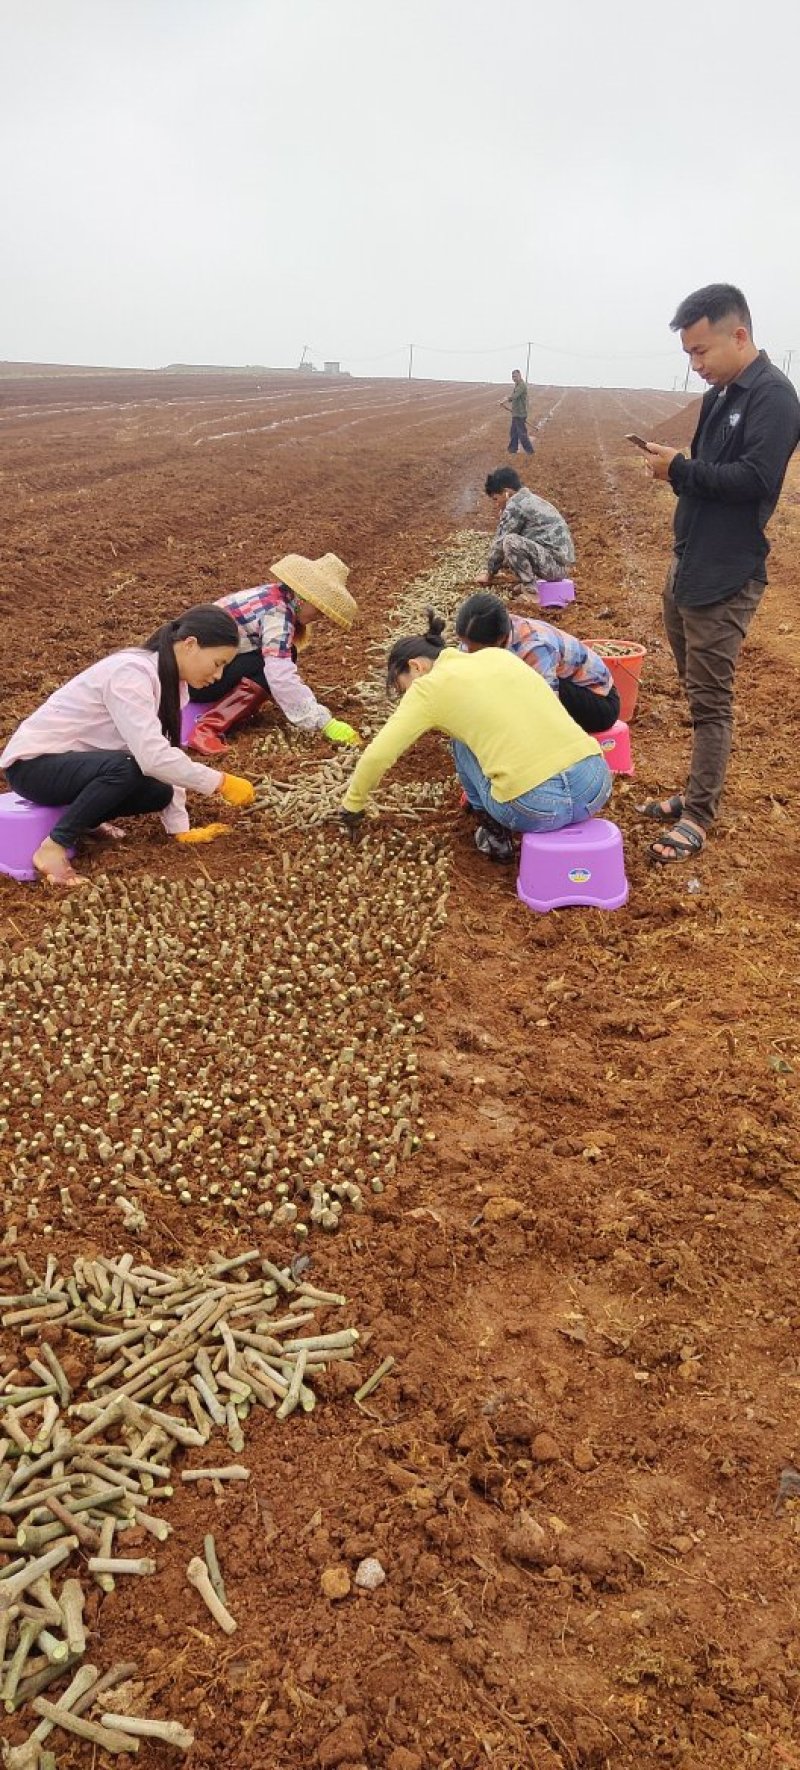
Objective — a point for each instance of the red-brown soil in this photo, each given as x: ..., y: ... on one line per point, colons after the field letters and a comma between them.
x: 571, y: 1477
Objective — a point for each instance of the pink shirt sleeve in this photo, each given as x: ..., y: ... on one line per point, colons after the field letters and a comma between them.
x: 129, y: 698
x: 295, y: 699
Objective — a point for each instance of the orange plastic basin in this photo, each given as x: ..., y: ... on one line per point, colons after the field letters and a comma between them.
x: 624, y: 659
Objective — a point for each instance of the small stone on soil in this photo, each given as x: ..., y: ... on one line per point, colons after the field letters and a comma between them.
x: 370, y: 1574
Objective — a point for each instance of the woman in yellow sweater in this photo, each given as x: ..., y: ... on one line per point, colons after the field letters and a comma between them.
x: 523, y: 762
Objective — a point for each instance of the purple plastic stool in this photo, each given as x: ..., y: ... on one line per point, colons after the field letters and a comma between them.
x: 557, y: 594
x: 583, y: 864
x: 616, y: 747
x: 22, y: 827
x: 190, y: 714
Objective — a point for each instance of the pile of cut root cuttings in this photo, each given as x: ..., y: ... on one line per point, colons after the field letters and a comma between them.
x: 177, y: 1357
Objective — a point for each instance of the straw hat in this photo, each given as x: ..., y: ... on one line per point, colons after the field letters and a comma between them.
x: 322, y: 582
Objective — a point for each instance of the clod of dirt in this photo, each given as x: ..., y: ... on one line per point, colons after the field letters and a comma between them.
x: 335, y: 1583
x: 544, y: 1448
x: 470, y: 1655
x: 512, y: 1424
x: 526, y: 1541
x: 589, y: 1556
x: 401, y: 1759
x: 592, y: 1743
x: 502, y: 1209
x: 584, y: 1458
x: 345, y: 1742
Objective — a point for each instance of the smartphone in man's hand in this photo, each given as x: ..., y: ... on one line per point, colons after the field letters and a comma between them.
x: 638, y: 441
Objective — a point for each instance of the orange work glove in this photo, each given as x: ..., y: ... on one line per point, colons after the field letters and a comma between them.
x: 206, y: 833
x: 236, y: 791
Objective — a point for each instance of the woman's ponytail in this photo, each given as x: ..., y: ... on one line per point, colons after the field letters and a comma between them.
x: 483, y: 620
x: 423, y: 645
x: 211, y: 627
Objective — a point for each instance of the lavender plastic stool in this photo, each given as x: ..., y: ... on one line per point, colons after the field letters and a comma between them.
x: 190, y: 714
x: 583, y: 864
x: 556, y: 594
x: 22, y: 827
x: 616, y: 747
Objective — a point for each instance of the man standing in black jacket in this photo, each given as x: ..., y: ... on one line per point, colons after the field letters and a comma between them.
x: 727, y: 491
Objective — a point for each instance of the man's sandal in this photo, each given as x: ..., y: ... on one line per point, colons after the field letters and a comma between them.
x: 683, y: 842
x: 663, y: 811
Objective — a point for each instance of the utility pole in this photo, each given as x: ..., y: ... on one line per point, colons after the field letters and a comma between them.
x: 410, y: 360
x: 789, y: 356
x: 528, y: 363
x: 688, y: 373
x: 304, y: 355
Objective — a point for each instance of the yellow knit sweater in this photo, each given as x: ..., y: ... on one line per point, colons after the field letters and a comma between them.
x: 492, y: 702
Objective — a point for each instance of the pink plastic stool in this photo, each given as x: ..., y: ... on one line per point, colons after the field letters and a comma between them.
x: 22, y: 827
x: 557, y: 594
x: 616, y: 747
x: 190, y: 714
x: 583, y: 864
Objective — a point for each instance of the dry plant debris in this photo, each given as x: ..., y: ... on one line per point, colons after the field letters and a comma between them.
x: 238, y: 1047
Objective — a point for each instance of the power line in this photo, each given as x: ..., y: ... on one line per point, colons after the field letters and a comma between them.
x: 505, y: 350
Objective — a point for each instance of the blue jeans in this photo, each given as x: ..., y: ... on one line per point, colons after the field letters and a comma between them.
x: 568, y: 798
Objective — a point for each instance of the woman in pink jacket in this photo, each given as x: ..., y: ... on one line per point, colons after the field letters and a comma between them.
x: 106, y: 745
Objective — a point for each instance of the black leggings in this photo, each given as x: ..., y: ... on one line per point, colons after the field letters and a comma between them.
x: 592, y: 712
x: 93, y: 784
x: 246, y: 665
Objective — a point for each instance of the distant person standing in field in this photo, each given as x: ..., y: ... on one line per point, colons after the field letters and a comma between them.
x: 727, y: 490
x: 532, y: 539
x: 517, y: 405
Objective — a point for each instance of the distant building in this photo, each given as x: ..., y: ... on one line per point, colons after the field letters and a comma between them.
x: 331, y: 369
x: 306, y: 369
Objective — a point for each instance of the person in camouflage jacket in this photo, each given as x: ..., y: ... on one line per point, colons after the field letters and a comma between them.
x: 532, y: 539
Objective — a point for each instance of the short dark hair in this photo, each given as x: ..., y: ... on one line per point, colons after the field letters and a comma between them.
x: 420, y: 645
x: 483, y: 619
x: 717, y: 301
x: 501, y: 480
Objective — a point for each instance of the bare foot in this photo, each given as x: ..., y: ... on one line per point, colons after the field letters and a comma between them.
x: 52, y: 863
x: 112, y: 832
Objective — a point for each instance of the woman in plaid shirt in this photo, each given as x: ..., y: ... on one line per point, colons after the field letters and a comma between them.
x: 579, y: 677
x: 273, y: 621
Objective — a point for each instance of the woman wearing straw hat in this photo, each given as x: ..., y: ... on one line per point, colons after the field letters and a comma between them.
x: 273, y: 620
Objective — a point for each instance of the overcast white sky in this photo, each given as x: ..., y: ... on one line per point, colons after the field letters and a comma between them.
x: 224, y: 181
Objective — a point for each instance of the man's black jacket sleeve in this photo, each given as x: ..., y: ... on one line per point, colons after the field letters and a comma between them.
x: 771, y: 421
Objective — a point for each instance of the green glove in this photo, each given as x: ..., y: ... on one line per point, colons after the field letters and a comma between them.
x: 337, y: 732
